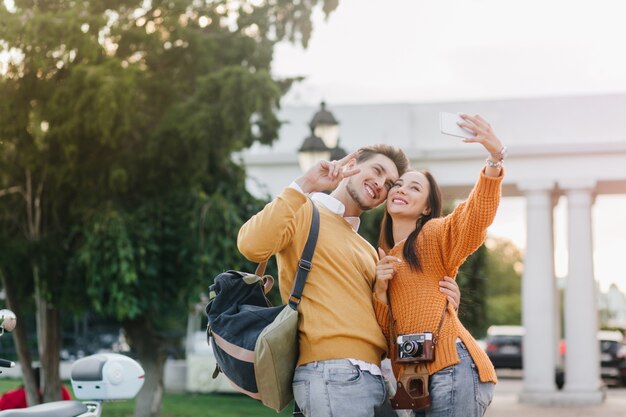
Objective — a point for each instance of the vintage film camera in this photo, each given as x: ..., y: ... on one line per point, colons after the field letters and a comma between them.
x: 415, y: 348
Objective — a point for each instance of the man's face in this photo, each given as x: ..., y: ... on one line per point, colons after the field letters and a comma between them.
x: 369, y: 187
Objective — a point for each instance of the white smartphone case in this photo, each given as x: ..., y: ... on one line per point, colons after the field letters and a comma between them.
x: 448, y: 126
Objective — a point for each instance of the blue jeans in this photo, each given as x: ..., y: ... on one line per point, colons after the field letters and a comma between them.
x: 456, y: 391
x: 337, y: 388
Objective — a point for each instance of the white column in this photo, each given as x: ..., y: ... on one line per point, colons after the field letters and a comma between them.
x: 538, y: 295
x: 582, y: 361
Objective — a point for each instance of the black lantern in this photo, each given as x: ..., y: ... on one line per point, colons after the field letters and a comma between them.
x: 323, y: 143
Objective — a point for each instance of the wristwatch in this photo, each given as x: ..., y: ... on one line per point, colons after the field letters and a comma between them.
x: 499, y: 158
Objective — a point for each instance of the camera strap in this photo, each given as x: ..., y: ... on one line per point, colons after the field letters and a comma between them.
x: 443, y: 317
x: 392, y: 323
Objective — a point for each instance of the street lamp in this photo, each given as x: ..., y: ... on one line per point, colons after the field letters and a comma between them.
x: 323, y: 143
x: 312, y: 150
x: 325, y: 126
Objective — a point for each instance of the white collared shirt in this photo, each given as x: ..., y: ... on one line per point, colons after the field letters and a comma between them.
x: 337, y: 207
x: 332, y: 204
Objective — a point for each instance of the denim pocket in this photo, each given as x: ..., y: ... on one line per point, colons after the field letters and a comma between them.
x: 483, y: 390
x: 302, y: 395
x: 484, y: 394
x: 344, y: 375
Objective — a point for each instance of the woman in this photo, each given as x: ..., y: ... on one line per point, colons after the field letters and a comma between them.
x: 423, y: 246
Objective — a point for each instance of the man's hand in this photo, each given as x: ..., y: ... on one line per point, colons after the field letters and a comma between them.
x: 326, y: 175
x: 384, y: 272
x: 449, y: 287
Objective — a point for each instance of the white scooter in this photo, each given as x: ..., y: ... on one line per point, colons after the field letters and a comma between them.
x: 95, y: 379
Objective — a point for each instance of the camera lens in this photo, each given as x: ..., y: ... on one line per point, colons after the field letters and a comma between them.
x: 412, y: 348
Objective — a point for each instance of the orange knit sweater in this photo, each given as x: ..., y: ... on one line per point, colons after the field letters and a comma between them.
x: 443, y: 245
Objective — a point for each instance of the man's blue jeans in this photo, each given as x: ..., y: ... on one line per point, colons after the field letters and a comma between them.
x: 456, y: 391
x: 337, y: 388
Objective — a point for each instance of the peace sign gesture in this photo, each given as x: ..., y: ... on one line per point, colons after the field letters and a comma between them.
x: 326, y: 175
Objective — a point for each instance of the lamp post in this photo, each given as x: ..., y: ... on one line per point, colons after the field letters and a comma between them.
x: 325, y: 126
x: 323, y: 142
x: 312, y: 150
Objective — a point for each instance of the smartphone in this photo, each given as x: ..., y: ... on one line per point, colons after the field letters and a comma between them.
x: 448, y: 126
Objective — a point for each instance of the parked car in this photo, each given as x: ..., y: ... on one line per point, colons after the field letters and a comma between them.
x: 612, y: 355
x: 504, y: 346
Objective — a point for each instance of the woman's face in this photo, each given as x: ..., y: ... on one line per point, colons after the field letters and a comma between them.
x: 408, y: 197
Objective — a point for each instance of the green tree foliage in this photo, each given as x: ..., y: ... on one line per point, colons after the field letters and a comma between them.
x: 473, y: 282
x: 503, y: 270
x: 370, y: 224
x: 117, y: 126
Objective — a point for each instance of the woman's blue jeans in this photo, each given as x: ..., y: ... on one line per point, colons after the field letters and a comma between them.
x: 337, y: 388
x: 456, y: 391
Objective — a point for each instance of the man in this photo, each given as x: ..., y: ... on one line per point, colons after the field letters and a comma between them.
x: 341, y: 344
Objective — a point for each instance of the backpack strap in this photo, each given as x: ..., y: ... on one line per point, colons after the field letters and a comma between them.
x: 260, y: 269
x: 305, y: 264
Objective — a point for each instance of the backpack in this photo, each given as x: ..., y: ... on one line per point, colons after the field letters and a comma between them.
x: 256, y: 345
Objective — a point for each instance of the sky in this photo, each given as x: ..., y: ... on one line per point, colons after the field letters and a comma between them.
x: 412, y: 51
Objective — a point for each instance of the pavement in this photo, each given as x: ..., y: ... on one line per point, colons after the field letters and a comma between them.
x: 506, y: 403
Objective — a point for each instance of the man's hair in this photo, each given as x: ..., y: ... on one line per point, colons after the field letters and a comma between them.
x: 397, y: 156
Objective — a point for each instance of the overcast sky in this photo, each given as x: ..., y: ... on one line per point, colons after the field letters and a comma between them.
x: 416, y: 50
x: 447, y: 50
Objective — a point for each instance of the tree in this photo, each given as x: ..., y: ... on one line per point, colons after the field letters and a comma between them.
x: 116, y: 153
x: 472, y: 280
x: 503, y: 270
x: 13, y: 265
x: 370, y: 224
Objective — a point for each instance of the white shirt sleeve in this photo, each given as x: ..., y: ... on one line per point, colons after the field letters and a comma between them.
x: 296, y: 187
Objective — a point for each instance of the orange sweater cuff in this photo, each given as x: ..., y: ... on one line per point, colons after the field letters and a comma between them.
x: 382, y: 314
x: 489, y: 186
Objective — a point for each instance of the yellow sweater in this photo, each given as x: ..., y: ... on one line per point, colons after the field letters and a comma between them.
x: 443, y: 245
x: 337, y: 320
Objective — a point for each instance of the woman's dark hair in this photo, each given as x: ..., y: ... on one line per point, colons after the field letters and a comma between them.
x: 385, y: 239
